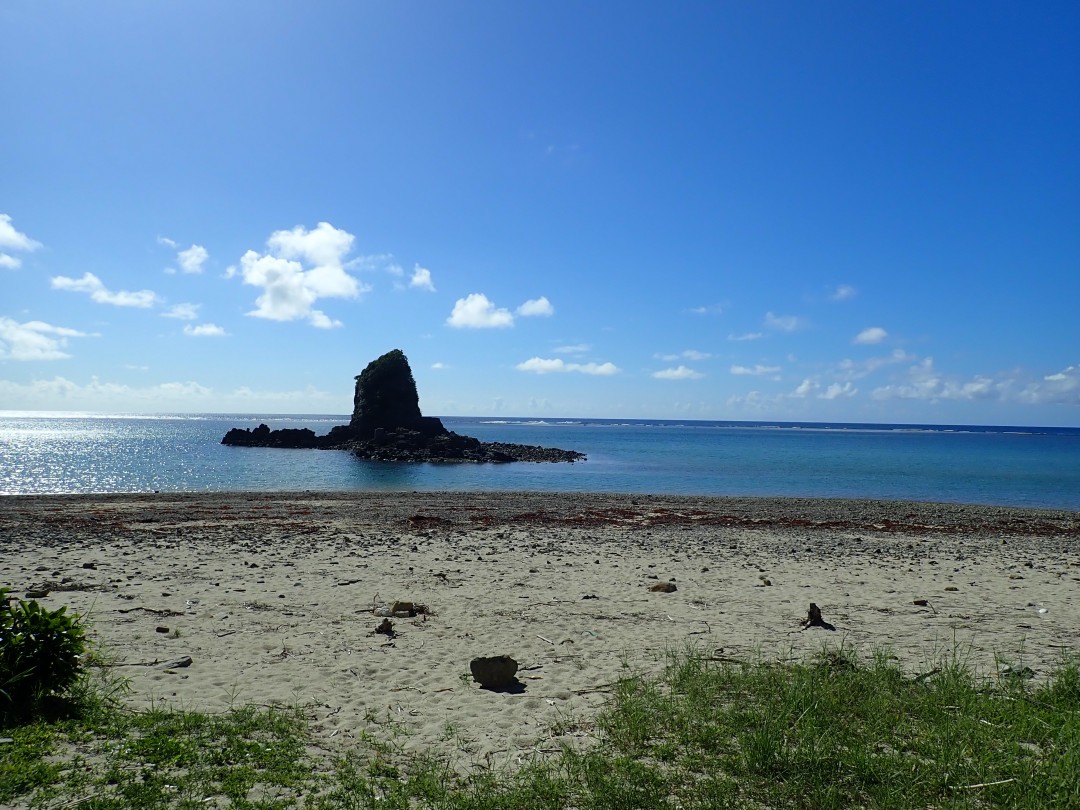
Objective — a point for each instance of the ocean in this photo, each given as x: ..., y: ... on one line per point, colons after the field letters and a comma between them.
x: 1007, y: 466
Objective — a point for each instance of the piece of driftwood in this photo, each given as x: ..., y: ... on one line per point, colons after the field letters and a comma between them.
x: 813, y: 619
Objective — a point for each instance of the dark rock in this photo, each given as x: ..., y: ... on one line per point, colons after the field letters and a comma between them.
x: 387, y: 425
x: 663, y: 587
x: 385, y: 397
x: 39, y: 594
x: 496, y: 672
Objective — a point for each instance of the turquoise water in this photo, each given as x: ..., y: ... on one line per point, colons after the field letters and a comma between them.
x: 1005, y: 466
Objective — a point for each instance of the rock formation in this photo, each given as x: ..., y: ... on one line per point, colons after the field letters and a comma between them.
x: 387, y: 425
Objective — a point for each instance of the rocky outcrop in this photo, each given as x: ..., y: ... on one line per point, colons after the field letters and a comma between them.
x: 387, y: 425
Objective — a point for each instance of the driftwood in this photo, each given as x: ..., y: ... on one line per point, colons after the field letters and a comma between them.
x: 813, y: 619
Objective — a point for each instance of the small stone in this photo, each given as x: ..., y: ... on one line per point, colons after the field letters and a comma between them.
x: 37, y: 594
x: 90, y: 565
x: 161, y: 629
x: 952, y: 588
x: 495, y: 672
x: 663, y: 587
x: 177, y: 663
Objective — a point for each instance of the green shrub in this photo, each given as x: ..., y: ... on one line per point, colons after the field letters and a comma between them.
x: 40, y: 654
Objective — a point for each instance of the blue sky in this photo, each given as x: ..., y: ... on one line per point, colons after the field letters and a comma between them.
x: 741, y: 210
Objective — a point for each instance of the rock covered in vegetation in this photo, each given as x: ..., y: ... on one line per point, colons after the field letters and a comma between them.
x: 387, y: 425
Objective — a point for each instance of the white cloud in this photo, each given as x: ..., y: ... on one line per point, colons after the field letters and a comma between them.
x: 11, y: 239
x: 421, y: 279
x: 536, y: 307
x: 924, y: 382
x: 848, y: 369
x: 805, y: 388
x: 290, y: 288
x: 573, y: 348
x: 688, y: 354
x: 539, y: 365
x: 34, y: 340
x: 747, y: 336
x: 836, y: 390
x: 324, y: 246
x: 1062, y: 387
x: 164, y: 240
x: 204, y: 330
x: 184, y: 312
x: 783, y: 323
x: 754, y: 371
x: 93, y: 286
x: 192, y: 259
x: 678, y: 373
x: 475, y: 311
x: 439, y: 366
x: 844, y: 292
x: 714, y: 309
x: 870, y: 336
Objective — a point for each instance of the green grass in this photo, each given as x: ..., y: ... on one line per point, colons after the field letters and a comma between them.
x: 829, y: 732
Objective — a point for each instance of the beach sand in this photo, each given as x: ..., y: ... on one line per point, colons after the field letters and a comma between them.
x: 272, y: 595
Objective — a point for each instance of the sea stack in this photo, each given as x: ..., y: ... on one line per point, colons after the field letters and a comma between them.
x: 387, y: 425
x: 386, y: 399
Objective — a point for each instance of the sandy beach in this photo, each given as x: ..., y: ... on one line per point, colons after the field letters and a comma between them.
x: 273, y: 597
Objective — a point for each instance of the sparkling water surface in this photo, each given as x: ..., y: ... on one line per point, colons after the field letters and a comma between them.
x: 69, y: 453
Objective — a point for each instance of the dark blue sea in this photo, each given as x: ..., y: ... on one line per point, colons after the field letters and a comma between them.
x: 1011, y: 466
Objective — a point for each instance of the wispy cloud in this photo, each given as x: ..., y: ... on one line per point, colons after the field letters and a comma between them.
x: 96, y: 289
x: 848, y: 369
x: 843, y: 292
x: 923, y: 381
x: 573, y: 348
x: 540, y: 365
x: 688, y: 354
x: 299, y: 268
x: 13, y: 240
x: 711, y: 309
x: 754, y: 371
x: 747, y: 336
x: 204, y: 330
x: 870, y: 336
x: 838, y: 390
x: 677, y: 373
x: 183, y: 312
x: 536, y: 307
x: 34, y: 340
x: 784, y: 323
